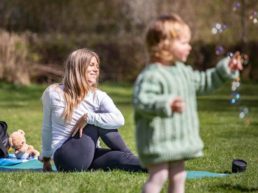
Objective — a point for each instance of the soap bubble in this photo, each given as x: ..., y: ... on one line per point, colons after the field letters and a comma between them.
x: 237, y: 96
x: 243, y: 112
x: 235, y: 85
x: 253, y: 17
x: 236, y: 6
x: 230, y: 54
x: 218, y: 28
x: 232, y: 101
x: 220, y: 50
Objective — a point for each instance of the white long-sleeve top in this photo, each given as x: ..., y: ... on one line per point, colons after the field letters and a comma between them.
x: 100, y: 108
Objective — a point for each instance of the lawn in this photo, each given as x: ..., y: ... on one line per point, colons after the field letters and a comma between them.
x: 225, y: 135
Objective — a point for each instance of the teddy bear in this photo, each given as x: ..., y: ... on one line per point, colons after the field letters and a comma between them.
x: 22, y: 149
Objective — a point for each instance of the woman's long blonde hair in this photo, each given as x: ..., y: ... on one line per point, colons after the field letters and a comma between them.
x: 160, y: 34
x: 75, y: 81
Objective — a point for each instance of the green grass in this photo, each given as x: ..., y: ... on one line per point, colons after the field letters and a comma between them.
x: 225, y: 136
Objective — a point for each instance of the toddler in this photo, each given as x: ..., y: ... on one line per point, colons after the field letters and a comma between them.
x: 167, y: 126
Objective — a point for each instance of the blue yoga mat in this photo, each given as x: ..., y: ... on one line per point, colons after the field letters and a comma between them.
x: 203, y: 174
x: 12, y: 160
x: 12, y: 164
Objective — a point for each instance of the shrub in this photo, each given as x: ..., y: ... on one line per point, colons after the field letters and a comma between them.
x: 14, y: 65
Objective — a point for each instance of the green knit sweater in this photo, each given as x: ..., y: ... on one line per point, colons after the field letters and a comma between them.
x: 163, y: 135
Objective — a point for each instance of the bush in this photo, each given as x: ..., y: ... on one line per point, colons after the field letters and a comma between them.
x: 14, y: 66
x: 121, y: 59
x: 40, y: 57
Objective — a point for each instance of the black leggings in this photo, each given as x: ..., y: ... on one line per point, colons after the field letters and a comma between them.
x: 80, y: 154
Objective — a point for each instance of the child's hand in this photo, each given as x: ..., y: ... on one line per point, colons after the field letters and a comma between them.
x: 178, y: 105
x: 235, y: 62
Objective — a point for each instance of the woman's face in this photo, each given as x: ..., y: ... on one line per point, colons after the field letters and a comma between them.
x: 93, y: 72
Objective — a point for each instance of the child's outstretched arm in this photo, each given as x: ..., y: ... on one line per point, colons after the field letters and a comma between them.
x: 227, y: 68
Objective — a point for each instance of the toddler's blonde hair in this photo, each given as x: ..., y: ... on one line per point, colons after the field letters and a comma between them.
x: 159, y: 35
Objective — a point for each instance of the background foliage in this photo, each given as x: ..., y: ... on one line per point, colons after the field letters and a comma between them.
x: 115, y: 30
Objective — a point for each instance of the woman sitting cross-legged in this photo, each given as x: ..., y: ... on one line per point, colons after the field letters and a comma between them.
x: 75, y: 114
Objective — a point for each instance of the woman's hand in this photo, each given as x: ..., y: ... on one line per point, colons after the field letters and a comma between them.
x: 46, y: 163
x: 47, y: 166
x: 235, y: 62
x: 178, y: 105
x: 81, y: 123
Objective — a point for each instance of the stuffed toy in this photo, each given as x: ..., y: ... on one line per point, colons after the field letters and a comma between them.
x: 18, y: 143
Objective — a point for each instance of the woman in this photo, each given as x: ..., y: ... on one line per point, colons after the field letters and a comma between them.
x: 76, y: 114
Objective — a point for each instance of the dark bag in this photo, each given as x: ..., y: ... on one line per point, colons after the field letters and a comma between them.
x: 4, y: 140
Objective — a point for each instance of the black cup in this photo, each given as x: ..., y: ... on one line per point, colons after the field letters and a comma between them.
x: 238, y: 165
